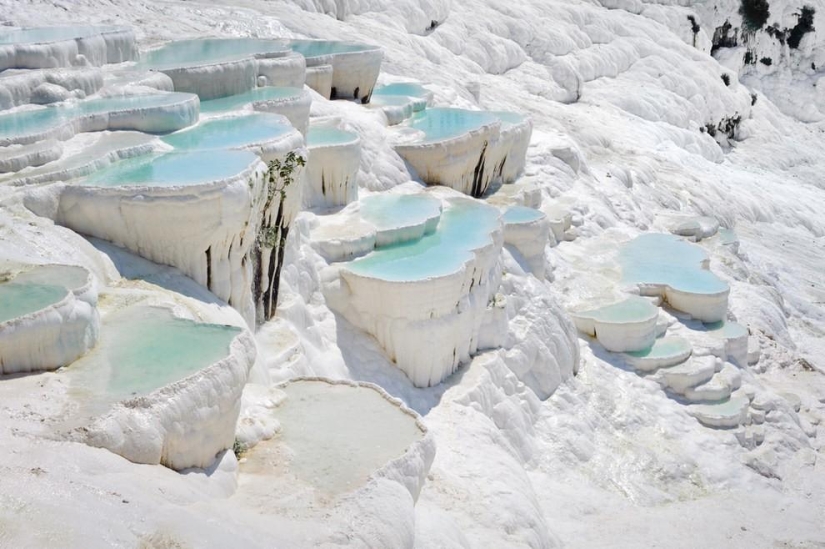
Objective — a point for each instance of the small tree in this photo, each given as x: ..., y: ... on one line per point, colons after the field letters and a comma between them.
x: 754, y: 13
x: 271, y: 239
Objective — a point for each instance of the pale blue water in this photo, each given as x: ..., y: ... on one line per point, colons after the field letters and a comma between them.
x: 521, y: 214
x: 28, y: 122
x: 632, y: 309
x: 408, y: 89
x: 66, y: 276
x: 464, y: 226
x: 235, y: 102
x: 39, y: 35
x: 316, y: 48
x: 323, y: 135
x: 728, y: 236
x: 727, y: 330
x: 222, y: 133
x: 145, y: 348
x: 664, y: 347
x: 509, y: 118
x: 173, y: 169
x: 387, y: 211
x: 669, y: 260
x: 187, y: 53
x: 390, y: 100
x: 445, y: 123
x: 17, y: 300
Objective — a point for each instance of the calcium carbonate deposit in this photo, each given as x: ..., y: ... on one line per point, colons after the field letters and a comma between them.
x: 412, y: 274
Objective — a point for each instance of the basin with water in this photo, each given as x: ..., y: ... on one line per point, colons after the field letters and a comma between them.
x: 293, y: 103
x: 153, y: 113
x: 401, y: 218
x: 332, y: 167
x: 220, y: 67
x: 354, y: 66
x: 96, y: 154
x: 426, y: 300
x: 626, y: 326
x: 333, y: 438
x: 268, y: 135
x: 463, y: 149
x: 48, y: 318
x: 65, y: 46
x: 199, y: 211
x: 665, y: 352
x: 666, y: 265
x: 174, y: 401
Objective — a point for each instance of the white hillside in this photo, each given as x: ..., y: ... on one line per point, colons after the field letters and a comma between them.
x: 415, y: 274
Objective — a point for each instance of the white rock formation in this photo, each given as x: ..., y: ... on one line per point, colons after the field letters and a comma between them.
x: 468, y: 161
x: 56, y: 334
x: 355, y: 67
x: 181, y: 425
x: 428, y: 324
x: 48, y: 47
x: 294, y: 108
x: 156, y: 113
x: 22, y: 88
x: 332, y: 167
x: 528, y: 231
x: 626, y: 326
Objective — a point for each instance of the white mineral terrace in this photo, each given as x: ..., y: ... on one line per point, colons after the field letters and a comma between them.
x: 197, y: 210
x: 465, y: 150
x: 49, y: 160
x: 216, y: 68
x: 332, y: 167
x: 48, y: 86
x: 667, y: 266
x: 155, y: 113
x: 427, y: 301
x: 293, y: 103
x: 626, y: 326
x: 400, y: 218
x: 355, y: 67
x: 173, y: 402
x: 48, y: 317
x: 528, y: 231
x: 334, y: 436
x: 400, y: 101
x: 47, y: 47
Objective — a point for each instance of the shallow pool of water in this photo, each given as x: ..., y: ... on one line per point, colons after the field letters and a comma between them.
x: 325, y: 135
x: 41, y: 35
x: 340, y: 434
x: 388, y: 211
x: 316, y: 48
x: 144, y: 348
x: 664, y: 347
x: 32, y: 121
x: 632, y: 309
x: 231, y: 132
x: 521, y: 214
x: 18, y: 299
x: 445, y: 123
x: 173, y: 169
x: 236, y: 102
x: 465, y: 225
x: 188, y: 53
x: 408, y: 89
x: 68, y: 276
x: 665, y: 259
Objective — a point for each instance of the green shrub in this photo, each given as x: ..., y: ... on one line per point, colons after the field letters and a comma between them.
x: 804, y: 25
x: 754, y: 13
